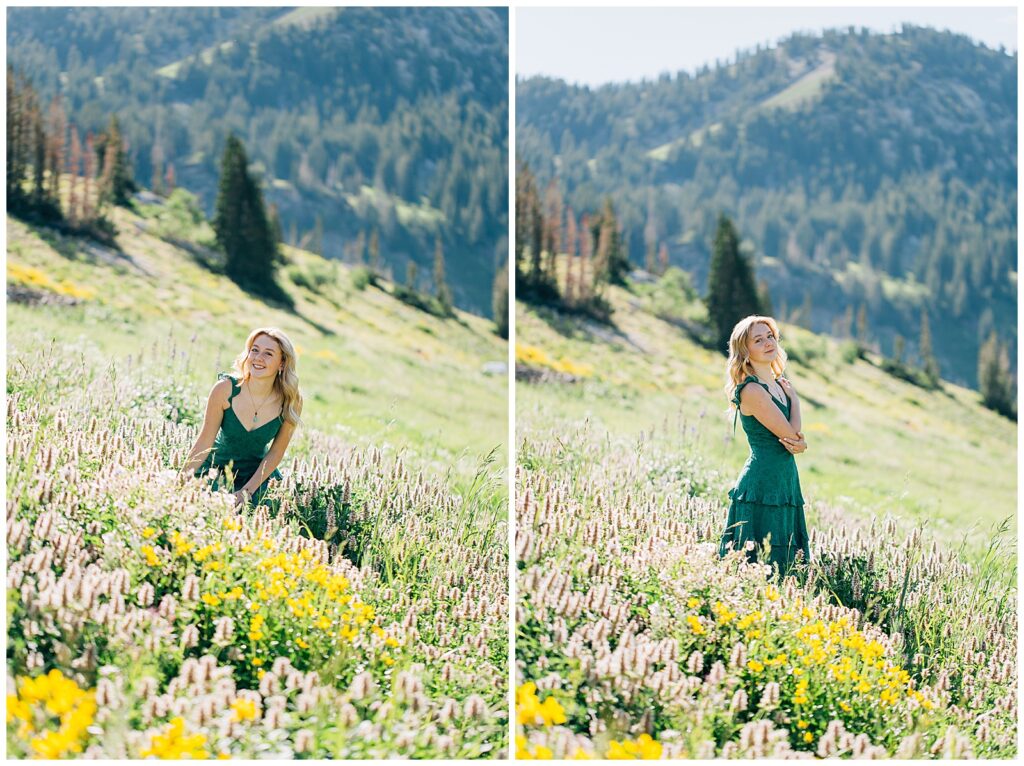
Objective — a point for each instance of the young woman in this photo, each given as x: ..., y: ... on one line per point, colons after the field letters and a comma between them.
x: 260, y: 403
x: 766, y: 499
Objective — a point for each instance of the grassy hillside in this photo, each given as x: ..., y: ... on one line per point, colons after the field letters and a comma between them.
x: 362, y: 614
x: 373, y: 369
x: 876, y: 444
x: 634, y: 639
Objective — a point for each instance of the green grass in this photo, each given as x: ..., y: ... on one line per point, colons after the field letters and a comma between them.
x: 877, y: 445
x: 806, y: 88
x: 372, y: 370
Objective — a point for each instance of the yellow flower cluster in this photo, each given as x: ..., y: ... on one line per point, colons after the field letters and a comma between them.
x: 175, y: 744
x: 150, y: 553
x: 29, y: 275
x: 536, y: 357
x: 645, y: 748
x: 244, y: 709
x: 695, y: 625
x: 531, y: 711
x: 46, y: 696
x: 725, y: 614
x: 524, y: 753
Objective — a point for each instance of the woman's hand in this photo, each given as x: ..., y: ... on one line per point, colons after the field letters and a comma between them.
x: 787, y: 387
x: 795, y: 446
x: 241, y: 497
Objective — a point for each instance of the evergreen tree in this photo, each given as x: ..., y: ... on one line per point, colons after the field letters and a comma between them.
x: 444, y: 296
x: 924, y: 350
x: 411, y: 274
x: 240, y: 222
x: 499, y: 301
x: 117, y: 173
x: 998, y: 390
x: 732, y: 294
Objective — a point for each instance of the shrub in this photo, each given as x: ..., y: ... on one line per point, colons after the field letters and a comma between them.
x: 363, y: 277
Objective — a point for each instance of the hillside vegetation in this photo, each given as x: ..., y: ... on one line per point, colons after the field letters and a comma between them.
x: 878, y: 445
x: 865, y: 172
x: 373, y: 370
x: 634, y: 639
x: 155, y: 619
x: 358, y: 120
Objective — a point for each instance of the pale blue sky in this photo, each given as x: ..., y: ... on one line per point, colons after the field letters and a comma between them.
x: 593, y: 46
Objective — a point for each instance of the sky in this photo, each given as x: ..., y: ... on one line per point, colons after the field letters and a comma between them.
x: 593, y: 46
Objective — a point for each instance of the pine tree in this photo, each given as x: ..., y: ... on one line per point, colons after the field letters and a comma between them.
x: 862, y: 325
x: 928, y: 362
x: 444, y: 296
x: 240, y: 222
x: 117, y: 174
x: 499, y: 301
x: 998, y: 391
x: 411, y: 274
x: 732, y: 294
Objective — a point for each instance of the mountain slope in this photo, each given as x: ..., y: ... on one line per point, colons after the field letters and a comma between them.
x: 877, y: 445
x: 863, y: 170
x: 373, y: 369
x: 358, y: 119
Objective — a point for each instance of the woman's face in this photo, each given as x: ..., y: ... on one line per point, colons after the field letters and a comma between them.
x: 264, y: 358
x: 762, y: 345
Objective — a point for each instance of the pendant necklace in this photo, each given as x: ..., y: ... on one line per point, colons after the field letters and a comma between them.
x: 256, y: 413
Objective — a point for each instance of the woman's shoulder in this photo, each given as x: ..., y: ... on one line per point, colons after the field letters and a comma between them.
x: 225, y: 385
x: 742, y: 387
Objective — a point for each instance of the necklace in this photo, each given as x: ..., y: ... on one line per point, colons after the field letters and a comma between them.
x: 256, y: 413
x: 771, y: 393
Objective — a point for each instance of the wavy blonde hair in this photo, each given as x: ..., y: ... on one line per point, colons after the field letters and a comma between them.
x: 287, y: 382
x: 738, y: 367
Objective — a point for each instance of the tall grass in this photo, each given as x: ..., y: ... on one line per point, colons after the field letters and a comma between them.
x: 633, y: 636
x: 360, y: 614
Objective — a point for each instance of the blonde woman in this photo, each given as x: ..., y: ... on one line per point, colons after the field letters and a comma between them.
x: 257, y: 405
x: 766, y: 501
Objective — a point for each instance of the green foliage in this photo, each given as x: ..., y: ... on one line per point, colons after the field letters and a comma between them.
x: 118, y: 184
x: 428, y: 303
x: 363, y: 277
x: 243, y: 230
x: 850, y: 351
x: 315, y: 276
x: 410, y: 104
x: 998, y: 387
x: 499, y: 305
x: 674, y: 299
x: 732, y: 293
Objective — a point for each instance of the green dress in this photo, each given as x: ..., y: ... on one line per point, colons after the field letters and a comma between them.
x: 242, y: 449
x: 767, y: 498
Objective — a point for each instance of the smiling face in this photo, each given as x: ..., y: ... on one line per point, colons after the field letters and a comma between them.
x: 762, y: 345
x: 264, y: 358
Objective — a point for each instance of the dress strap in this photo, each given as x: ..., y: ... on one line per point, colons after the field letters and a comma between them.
x: 736, y: 398
x: 235, y: 385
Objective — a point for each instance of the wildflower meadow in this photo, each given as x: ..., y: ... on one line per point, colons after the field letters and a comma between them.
x: 361, y: 613
x: 635, y: 641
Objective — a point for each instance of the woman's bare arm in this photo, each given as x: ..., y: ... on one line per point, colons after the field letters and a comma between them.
x: 216, y: 403
x: 795, y: 418
x: 273, y: 457
x: 755, y: 401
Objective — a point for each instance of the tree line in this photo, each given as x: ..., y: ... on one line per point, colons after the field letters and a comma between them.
x: 384, y: 119
x: 892, y: 188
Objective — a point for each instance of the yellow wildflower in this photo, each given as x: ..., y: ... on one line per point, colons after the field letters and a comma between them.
x: 245, y: 710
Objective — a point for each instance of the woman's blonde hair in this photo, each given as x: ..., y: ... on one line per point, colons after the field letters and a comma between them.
x: 738, y: 367
x: 287, y: 382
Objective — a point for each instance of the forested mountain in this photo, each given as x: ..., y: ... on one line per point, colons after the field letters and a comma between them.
x: 868, y: 174
x: 359, y: 120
